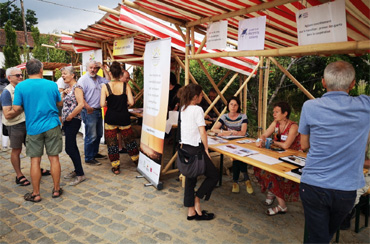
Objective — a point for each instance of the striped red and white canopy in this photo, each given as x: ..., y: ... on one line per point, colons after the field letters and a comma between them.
x: 281, y: 27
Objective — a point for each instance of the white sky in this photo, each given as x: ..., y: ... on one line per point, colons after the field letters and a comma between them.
x: 55, y: 18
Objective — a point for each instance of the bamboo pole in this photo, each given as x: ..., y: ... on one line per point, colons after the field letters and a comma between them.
x: 152, y: 13
x: 169, y: 164
x: 180, y: 32
x: 109, y: 51
x: 187, y: 56
x: 202, y: 44
x: 291, y: 77
x: 192, y: 40
x: 265, y: 94
x: 260, y: 87
x: 224, y: 78
x: 212, y: 82
x: 241, y: 12
x: 128, y: 60
x: 241, y: 93
x: 245, y: 99
x: 314, y: 49
x: 109, y: 10
x: 222, y: 92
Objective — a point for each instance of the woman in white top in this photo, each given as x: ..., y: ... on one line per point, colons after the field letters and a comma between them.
x: 193, y: 136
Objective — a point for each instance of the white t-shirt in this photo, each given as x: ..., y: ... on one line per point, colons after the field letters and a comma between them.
x: 61, y: 84
x: 191, y: 118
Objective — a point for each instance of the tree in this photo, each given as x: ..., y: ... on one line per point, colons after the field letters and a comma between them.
x: 9, y: 11
x: 11, y: 49
x: 47, y: 54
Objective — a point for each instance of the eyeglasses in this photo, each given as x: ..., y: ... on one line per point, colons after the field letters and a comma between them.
x: 17, y: 75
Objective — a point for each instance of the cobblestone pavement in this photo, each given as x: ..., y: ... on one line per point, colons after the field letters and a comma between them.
x: 109, y: 208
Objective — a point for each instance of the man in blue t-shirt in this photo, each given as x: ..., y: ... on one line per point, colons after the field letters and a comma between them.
x: 335, y: 127
x: 39, y: 99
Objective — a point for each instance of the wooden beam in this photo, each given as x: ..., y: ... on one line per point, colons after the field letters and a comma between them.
x: 192, y: 40
x: 127, y: 60
x: 202, y: 44
x: 180, y: 32
x: 314, y: 49
x: 265, y: 95
x: 187, y: 43
x: 245, y: 99
x: 291, y: 77
x: 109, y: 10
x: 240, y: 12
x: 152, y: 13
x: 260, y: 87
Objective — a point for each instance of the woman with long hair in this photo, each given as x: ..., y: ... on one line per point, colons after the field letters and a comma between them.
x: 117, y: 96
x: 235, y: 123
x: 193, y: 137
x: 71, y: 118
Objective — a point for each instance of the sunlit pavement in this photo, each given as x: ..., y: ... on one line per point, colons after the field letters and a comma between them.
x: 109, y: 208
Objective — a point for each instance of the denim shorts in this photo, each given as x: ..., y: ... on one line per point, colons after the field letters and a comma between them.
x: 51, y: 139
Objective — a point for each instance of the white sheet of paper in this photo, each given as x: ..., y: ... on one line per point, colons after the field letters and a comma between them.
x: 265, y: 159
x: 216, y: 140
x: 293, y: 174
x: 237, y: 150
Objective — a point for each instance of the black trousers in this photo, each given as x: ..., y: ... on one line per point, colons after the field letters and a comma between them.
x: 71, y: 129
x: 207, y: 186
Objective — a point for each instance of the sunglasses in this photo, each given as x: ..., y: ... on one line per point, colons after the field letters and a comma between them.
x: 17, y: 75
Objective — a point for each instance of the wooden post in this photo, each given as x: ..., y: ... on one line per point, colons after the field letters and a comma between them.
x: 187, y: 71
x: 265, y: 94
x: 241, y: 93
x: 245, y: 99
x: 291, y: 77
x: 192, y: 41
x: 259, y: 133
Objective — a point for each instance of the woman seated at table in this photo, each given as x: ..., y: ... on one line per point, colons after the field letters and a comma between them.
x: 235, y: 124
x: 285, y: 136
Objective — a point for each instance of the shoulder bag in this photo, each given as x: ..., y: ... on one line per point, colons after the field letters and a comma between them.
x: 190, y: 159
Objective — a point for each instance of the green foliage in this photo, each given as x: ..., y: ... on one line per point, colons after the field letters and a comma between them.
x: 58, y: 74
x: 47, y: 54
x: 13, y: 13
x: 11, y: 50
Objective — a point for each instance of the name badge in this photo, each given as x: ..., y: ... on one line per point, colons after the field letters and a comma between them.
x: 284, y: 137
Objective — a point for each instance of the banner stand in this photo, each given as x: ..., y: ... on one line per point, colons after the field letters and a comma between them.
x: 159, y: 186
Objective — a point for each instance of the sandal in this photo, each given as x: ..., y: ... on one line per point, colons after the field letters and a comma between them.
x: 116, y: 170
x: 269, y: 199
x: 60, y: 192
x: 31, y: 198
x: 276, y: 210
x: 21, y: 182
x: 45, y: 172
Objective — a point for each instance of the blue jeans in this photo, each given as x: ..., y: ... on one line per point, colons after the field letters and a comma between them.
x: 324, y: 211
x: 71, y: 129
x: 93, y: 132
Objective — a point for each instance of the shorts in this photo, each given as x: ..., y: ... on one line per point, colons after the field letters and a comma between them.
x: 17, y: 135
x: 51, y: 139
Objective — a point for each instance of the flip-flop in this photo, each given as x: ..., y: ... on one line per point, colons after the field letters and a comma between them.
x: 31, y: 198
x: 47, y: 172
x: 60, y: 191
x: 22, y: 183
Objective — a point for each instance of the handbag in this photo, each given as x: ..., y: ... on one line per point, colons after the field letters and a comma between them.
x: 190, y: 159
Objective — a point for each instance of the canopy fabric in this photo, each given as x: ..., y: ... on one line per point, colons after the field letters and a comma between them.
x: 281, y: 28
x: 144, y: 24
x: 133, y: 23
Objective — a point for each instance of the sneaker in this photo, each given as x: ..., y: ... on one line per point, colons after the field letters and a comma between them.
x: 77, y: 180
x: 123, y: 150
x: 249, y: 187
x: 235, y: 188
x: 98, y: 155
x: 93, y: 162
x: 70, y: 175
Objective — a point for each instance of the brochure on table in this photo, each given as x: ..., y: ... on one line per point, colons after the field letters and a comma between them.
x: 157, y: 59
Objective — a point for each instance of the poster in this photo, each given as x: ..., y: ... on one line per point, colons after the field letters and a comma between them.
x: 157, y: 60
x: 217, y: 35
x: 123, y: 46
x: 251, y: 34
x: 95, y: 55
x: 322, y: 24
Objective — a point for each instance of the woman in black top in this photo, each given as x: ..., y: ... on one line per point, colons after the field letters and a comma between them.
x: 117, y: 96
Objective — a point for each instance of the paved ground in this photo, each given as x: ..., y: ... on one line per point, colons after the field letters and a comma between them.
x: 119, y: 209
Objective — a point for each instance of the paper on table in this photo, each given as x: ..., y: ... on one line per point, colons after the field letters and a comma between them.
x: 293, y: 174
x: 265, y: 159
x: 246, y: 141
x: 172, y: 120
x: 216, y: 140
x: 234, y: 149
